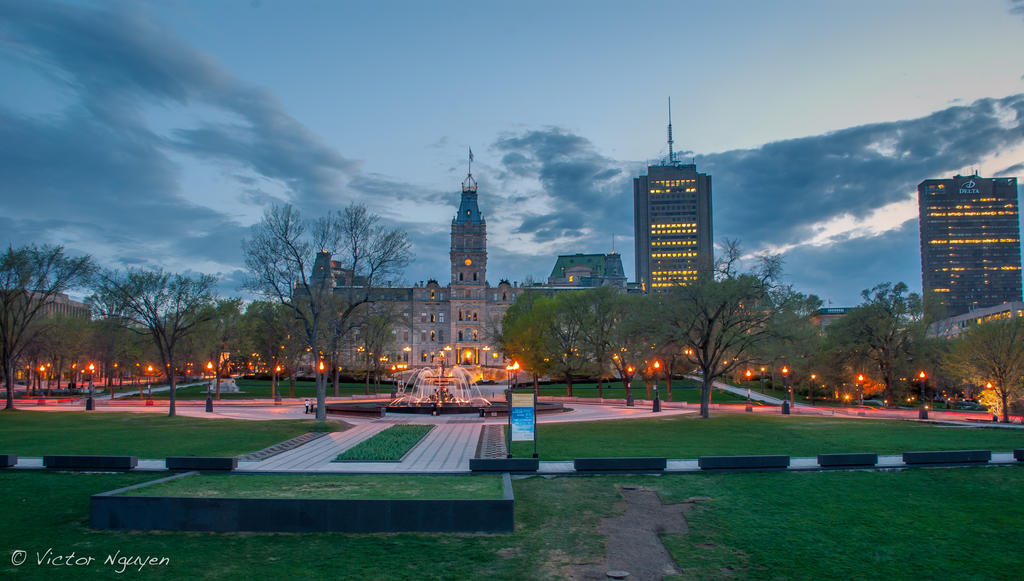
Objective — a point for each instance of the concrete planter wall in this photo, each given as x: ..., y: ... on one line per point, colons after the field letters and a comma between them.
x: 112, y: 510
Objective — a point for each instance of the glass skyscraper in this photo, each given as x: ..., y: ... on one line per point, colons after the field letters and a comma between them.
x: 970, y: 241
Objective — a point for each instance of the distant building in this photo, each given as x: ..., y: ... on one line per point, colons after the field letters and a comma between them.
x: 455, y: 322
x: 953, y: 326
x: 828, y: 315
x: 588, y: 270
x: 970, y: 241
x: 60, y: 305
x: 672, y: 223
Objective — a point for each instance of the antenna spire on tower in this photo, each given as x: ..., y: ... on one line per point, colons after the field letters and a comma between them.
x: 671, y: 154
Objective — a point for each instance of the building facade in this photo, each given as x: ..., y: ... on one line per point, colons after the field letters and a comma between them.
x: 588, y: 271
x: 970, y: 241
x: 454, y: 322
x: 672, y: 225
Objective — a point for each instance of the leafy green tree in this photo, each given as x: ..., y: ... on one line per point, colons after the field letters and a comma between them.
x: 992, y: 353
x: 886, y: 331
x: 521, y: 338
x: 30, y: 278
x: 603, y: 311
x: 168, y: 307
x: 267, y: 328
x: 631, y: 335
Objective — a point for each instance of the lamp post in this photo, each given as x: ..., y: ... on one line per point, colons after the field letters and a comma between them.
x: 89, y: 403
x: 149, y: 382
x: 42, y: 378
x: 860, y: 390
x: 629, y: 386
x: 274, y: 393
x: 922, y: 412
x: 656, y: 404
x: 810, y: 389
x: 209, y: 388
x: 786, y: 403
x: 749, y: 374
x: 763, y: 369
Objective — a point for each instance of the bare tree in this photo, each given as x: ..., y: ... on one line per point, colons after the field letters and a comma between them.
x: 166, y: 306
x: 31, y: 277
x: 290, y: 261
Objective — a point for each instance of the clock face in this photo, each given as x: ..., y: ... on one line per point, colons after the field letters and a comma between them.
x: 468, y: 262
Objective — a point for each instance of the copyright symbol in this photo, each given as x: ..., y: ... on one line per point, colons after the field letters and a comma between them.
x: 18, y: 557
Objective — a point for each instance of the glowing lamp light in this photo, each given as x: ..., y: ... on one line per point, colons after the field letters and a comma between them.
x: 209, y: 365
x: 748, y: 374
x: 860, y: 378
x: 922, y: 375
x: 657, y: 365
x: 785, y: 370
x: 92, y: 368
x: 321, y: 365
x: 278, y: 369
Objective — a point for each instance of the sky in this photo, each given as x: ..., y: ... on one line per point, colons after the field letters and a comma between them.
x: 155, y: 134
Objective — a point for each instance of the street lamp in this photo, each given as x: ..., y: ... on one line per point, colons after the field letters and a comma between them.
x: 786, y: 405
x: 209, y: 388
x: 749, y: 374
x: 629, y: 386
x: 860, y: 389
x: 273, y: 384
x: 922, y: 412
x: 42, y: 376
x: 656, y: 404
x: 89, y: 403
x: 810, y: 390
x: 149, y: 381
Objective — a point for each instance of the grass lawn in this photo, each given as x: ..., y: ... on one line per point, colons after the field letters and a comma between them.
x: 958, y: 523
x: 328, y: 486
x: 683, y: 390
x: 387, y: 445
x: 260, y: 389
x: 726, y: 434
x: 31, y: 433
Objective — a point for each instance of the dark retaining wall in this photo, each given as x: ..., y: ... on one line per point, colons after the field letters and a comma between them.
x: 643, y: 464
x: 743, y: 462
x: 112, y: 511
x: 947, y: 457
x: 77, y: 462
x: 8, y: 460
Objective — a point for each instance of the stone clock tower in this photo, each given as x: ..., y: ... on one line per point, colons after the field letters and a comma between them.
x: 469, y: 278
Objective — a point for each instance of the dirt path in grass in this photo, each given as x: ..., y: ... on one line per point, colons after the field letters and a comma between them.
x: 633, y: 544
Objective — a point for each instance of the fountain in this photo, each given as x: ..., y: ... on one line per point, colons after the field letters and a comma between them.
x: 439, y: 389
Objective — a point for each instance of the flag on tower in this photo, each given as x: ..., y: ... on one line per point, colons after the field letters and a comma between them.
x: 470, y: 154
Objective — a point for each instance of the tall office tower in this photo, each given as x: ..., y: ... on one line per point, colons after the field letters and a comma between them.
x: 672, y: 223
x: 469, y: 276
x: 970, y: 241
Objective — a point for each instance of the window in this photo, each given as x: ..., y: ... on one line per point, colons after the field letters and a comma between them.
x: 460, y: 335
x: 474, y: 334
x: 433, y: 317
x: 460, y: 315
x: 474, y: 276
x: 433, y: 336
x: 474, y: 315
x: 440, y: 317
x: 460, y: 276
x: 423, y: 356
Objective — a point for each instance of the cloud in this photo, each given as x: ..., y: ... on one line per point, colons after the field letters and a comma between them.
x: 579, y: 196
x: 784, y: 192
x: 106, y: 169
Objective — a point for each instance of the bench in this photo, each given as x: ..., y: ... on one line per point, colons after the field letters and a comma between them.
x: 846, y: 460
x: 619, y: 464
x: 948, y: 457
x: 200, y: 463
x: 90, y: 462
x: 503, y: 464
x: 743, y: 462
